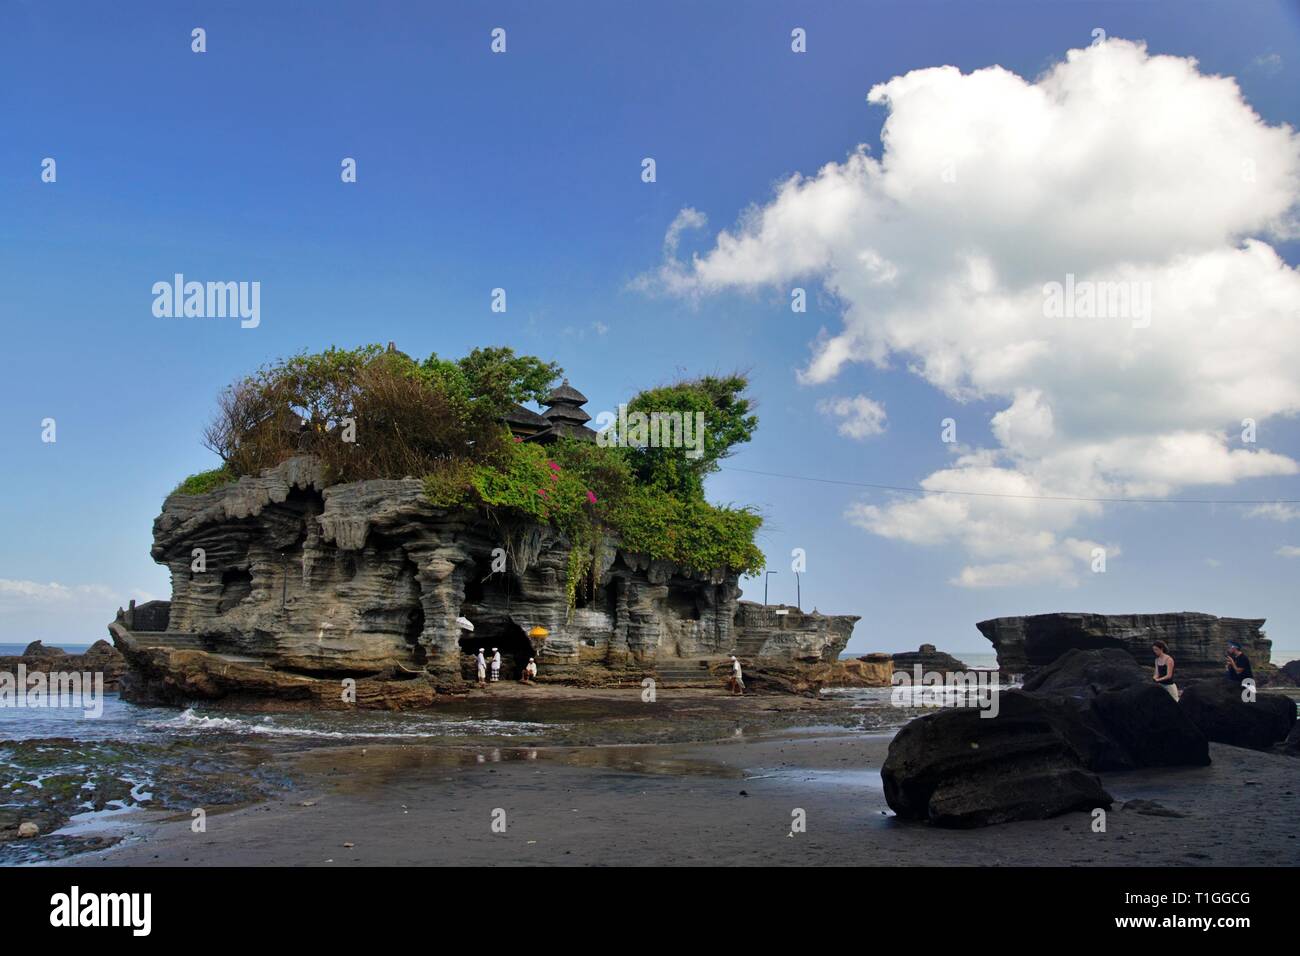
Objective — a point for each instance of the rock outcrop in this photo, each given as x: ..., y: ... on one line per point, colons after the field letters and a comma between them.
x: 100, y: 658
x: 1138, y: 722
x: 930, y: 659
x: 958, y: 769
x: 285, y: 578
x: 873, y: 670
x: 1090, y: 711
x: 1291, y: 746
x: 1223, y: 714
x: 1196, y: 641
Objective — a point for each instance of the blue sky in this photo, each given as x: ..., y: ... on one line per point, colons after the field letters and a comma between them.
x: 521, y: 171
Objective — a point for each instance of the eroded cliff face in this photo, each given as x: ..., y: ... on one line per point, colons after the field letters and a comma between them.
x: 1196, y: 641
x: 286, y: 574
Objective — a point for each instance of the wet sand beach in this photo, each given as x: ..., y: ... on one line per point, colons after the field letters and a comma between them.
x: 722, y: 801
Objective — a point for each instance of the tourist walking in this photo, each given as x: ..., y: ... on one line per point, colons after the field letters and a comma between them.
x: 481, y: 663
x: 1164, y: 672
x: 496, y: 664
x: 737, y: 677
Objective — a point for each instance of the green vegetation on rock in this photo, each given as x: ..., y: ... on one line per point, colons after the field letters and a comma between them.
x: 205, y: 481
x: 376, y: 413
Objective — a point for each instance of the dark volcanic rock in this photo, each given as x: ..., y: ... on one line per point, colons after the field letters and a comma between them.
x: 1217, y: 708
x: 37, y: 649
x: 1291, y: 745
x: 1150, y: 727
x: 958, y: 769
x: 1089, y: 711
x: 100, y: 658
x: 930, y: 659
x: 1196, y: 641
x: 1141, y: 724
x: 1291, y: 671
x: 1087, y: 673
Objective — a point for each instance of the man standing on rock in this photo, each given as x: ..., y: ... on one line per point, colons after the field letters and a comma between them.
x: 737, y: 677
x: 1238, y: 664
x: 496, y: 664
x: 481, y: 663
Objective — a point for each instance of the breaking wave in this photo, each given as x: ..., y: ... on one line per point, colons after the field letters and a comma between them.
x: 393, y: 727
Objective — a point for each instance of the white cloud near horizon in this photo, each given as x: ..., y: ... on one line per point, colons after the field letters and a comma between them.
x: 1113, y: 166
x: 57, y: 612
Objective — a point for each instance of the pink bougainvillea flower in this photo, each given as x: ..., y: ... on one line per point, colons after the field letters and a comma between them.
x: 555, y: 477
x: 518, y: 439
x: 554, y: 466
x: 542, y: 492
x: 591, y: 497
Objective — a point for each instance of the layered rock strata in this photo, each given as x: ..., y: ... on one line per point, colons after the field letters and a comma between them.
x: 1196, y: 641
x: 284, y: 577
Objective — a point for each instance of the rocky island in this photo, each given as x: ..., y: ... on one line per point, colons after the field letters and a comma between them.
x: 287, y: 580
x: 1196, y: 641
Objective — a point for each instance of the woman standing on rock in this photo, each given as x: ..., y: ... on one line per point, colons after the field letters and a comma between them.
x: 1164, y: 674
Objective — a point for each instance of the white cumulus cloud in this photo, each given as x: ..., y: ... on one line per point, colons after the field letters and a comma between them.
x: 859, y: 416
x: 1114, y: 170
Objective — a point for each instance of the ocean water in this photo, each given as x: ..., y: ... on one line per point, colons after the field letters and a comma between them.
x: 7, y: 650
x: 76, y: 775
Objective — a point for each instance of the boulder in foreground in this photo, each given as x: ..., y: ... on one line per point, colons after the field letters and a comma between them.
x: 1089, y: 711
x: 958, y: 769
x: 1217, y: 708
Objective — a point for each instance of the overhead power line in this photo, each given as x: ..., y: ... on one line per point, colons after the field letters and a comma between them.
x: 996, y: 494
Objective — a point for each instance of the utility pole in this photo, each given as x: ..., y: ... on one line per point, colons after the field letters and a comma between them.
x: 798, y: 592
x: 765, y: 576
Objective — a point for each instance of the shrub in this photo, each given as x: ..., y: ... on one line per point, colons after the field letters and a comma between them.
x: 375, y: 413
x: 205, y: 481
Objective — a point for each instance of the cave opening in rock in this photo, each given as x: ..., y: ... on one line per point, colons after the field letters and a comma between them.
x: 612, y: 590
x: 508, y: 637
x: 684, y: 602
x: 236, y: 584
x: 413, y: 626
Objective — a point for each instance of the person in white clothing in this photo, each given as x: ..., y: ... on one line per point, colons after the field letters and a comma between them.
x: 737, y: 677
x: 530, y: 671
x: 481, y: 663
x: 496, y: 664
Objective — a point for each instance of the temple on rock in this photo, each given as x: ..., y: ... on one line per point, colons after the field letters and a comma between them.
x: 563, y: 417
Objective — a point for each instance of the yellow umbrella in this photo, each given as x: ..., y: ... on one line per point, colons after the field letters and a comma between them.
x: 538, y: 631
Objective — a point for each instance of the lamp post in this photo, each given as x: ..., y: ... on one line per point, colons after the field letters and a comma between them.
x: 765, y: 575
x: 798, y: 592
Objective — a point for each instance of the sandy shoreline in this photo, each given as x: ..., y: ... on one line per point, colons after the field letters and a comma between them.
x: 727, y: 802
